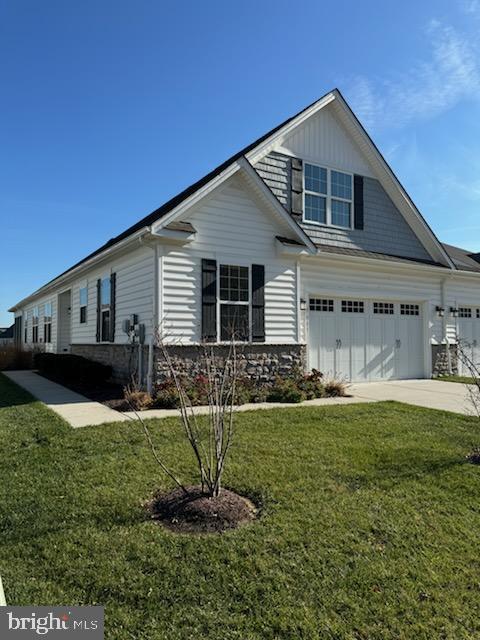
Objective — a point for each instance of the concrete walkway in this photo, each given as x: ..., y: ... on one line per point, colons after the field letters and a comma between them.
x: 433, y: 394
x: 74, y: 408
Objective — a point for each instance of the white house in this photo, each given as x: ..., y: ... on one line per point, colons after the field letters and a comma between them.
x: 305, y: 240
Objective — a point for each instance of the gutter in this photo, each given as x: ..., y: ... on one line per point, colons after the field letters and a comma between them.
x: 76, y: 271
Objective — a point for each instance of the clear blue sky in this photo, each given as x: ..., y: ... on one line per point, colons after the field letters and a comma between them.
x: 109, y: 108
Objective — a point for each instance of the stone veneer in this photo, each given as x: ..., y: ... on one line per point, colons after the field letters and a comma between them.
x: 261, y: 362
x: 440, y: 359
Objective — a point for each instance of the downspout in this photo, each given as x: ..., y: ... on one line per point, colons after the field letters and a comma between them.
x: 155, y: 318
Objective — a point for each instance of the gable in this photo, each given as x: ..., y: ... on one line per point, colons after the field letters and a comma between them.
x: 323, y: 140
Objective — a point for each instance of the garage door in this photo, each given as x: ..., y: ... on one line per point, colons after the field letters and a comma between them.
x: 362, y: 340
x: 469, y: 336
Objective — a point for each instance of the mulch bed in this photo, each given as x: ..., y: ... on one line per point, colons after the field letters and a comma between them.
x: 196, y: 512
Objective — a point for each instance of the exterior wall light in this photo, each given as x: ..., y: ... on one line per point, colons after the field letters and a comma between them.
x: 440, y: 311
x: 454, y: 312
x: 303, y: 304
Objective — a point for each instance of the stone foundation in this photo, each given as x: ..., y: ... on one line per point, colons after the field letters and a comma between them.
x: 440, y: 360
x: 261, y: 362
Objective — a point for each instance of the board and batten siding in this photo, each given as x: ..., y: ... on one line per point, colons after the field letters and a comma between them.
x: 232, y: 228
x: 134, y: 294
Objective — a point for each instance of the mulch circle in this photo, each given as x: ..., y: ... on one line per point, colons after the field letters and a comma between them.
x: 474, y: 456
x: 196, y: 512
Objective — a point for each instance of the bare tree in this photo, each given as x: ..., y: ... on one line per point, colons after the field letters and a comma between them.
x: 465, y: 358
x: 210, y: 437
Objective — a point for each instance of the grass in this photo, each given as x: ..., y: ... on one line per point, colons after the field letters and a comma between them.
x: 369, y: 530
x: 460, y: 379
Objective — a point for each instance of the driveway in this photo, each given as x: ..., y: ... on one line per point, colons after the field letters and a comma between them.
x: 433, y: 394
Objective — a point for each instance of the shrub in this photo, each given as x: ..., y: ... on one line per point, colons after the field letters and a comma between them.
x: 312, y: 385
x: 166, y: 395
x: 12, y: 357
x: 73, y: 368
x: 137, y: 399
x: 335, y: 388
x: 285, y: 390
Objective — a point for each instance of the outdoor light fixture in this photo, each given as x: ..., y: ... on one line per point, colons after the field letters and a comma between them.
x: 303, y: 304
x: 454, y: 312
x: 440, y: 312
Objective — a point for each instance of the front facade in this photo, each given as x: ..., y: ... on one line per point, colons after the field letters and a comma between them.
x: 304, y: 244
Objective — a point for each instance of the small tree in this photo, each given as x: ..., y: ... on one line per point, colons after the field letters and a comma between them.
x: 464, y: 356
x: 210, y: 437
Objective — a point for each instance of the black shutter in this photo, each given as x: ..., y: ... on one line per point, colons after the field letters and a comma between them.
x: 99, y: 310
x: 358, y: 202
x: 113, y: 286
x: 258, y: 303
x: 17, y: 332
x: 209, y: 300
x: 296, y: 194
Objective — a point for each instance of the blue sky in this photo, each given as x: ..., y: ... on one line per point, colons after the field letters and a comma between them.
x: 110, y: 108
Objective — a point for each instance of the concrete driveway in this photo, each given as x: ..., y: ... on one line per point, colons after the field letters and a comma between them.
x: 433, y: 394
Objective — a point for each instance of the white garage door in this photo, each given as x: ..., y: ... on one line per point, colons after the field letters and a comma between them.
x: 469, y: 337
x: 362, y: 340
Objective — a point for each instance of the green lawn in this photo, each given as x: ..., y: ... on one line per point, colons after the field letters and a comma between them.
x: 370, y: 527
x: 460, y: 379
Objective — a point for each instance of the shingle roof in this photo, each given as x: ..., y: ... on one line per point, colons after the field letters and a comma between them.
x: 326, y: 248
x: 7, y: 332
x: 462, y: 258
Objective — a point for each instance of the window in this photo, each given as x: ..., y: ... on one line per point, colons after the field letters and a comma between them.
x: 35, y: 325
x: 105, y: 311
x: 83, y: 305
x: 409, y: 309
x: 352, y: 306
x: 319, y: 304
x: 234, y: 302
x: 383, y: 308
x: 464, y: 312
x: 25, y: 337
x: 328, y: 196
x: 47, y: 322
x: 478, y: 314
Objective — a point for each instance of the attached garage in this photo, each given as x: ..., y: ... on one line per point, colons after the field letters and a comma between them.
x: 363, y: 340
x: 469, y: 337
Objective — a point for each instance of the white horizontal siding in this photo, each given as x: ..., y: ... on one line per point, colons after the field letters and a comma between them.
x: 232, y: 228
x: 460, y: 292
x: 41, y: 311
x: 134, y: 294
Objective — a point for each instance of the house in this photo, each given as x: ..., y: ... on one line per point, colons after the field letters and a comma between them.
x: 305, y: 241
x: 6, y: 336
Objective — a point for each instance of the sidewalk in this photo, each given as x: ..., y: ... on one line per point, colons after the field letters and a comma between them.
x: 74, y: 408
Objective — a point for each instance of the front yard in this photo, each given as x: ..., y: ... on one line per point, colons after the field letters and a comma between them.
x: 369, y: 529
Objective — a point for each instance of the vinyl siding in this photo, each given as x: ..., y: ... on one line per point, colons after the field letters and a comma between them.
x: 460, y: 292
x: 41, y: 309
x: 232, y: 228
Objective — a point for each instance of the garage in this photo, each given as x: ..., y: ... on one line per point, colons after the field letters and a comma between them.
x: 469, y: 337
x: 363, y: 340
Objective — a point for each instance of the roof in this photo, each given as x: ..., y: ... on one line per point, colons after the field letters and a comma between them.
x: 168, y: 206
x: 462, y: 258
x: 6, y: 332
x: 361, y: 253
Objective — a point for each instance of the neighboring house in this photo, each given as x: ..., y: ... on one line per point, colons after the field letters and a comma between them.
x: 6, y: 335
x: 305, y: 240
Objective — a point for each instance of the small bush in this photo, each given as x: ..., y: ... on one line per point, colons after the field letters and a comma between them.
x: 136, y: 399
x: 166, y: 395
x: 285, y: 390
x: 312, y: 384
x: 73, y: 368
x: 335, y: 388
x: 11, y: 357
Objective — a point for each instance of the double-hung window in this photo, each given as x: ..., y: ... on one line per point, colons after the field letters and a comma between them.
x: 105, y: 311
x: 234, y: 303
x: 328, y: 196
x: 35, y: 325
x: 83, y: 304
x: 47, y: 323
x: 25, y: 336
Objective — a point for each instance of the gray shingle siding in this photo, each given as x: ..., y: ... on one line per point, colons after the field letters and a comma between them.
x: 385, y: 229
x: 275, y: 169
